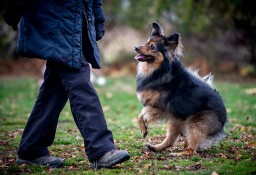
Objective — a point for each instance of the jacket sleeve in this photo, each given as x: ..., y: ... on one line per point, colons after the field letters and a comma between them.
x: 14, y: 9
x: 99, y: 19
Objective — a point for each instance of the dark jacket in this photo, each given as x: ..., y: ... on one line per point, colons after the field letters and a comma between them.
x: 61, y: 30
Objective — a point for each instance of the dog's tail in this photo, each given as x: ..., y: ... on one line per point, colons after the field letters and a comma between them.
x: 208, y: 79
x: 211, y: 141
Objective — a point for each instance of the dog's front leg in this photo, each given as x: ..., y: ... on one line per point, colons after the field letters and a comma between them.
x: 142, y: 123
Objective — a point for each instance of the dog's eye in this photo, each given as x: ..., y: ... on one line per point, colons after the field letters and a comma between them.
x: 152, y: 47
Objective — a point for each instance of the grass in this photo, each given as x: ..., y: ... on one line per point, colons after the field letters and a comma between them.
x: 234, y: 155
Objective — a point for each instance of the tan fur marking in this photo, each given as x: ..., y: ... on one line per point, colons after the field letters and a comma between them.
x: 205, y: 122
x: 149, y: 97
x: 173, y: 131
x: 152, y: 114
x: 194, y: 138
x: 145, y: 69
x: 148, y: 115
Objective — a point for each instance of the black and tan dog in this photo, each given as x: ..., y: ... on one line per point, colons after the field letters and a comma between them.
x: 170, y: 92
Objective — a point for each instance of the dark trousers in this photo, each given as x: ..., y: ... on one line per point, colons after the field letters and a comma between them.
x: 60, y: 84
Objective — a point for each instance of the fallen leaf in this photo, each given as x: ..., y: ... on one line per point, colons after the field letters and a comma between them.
x: 147, y: 166
x: 222, y: 155
x: 14, y: 134
x: 238, y: 156
x: 140, y: 171
x: 82, y: 162
x: 196, y: 166
x: 251, y: 145
x: 138, y: 158
x: 243, y: 128
x: 167, y: 167
x: 4, y: 142
x: 232, y: 150
x: 11, y: 160
x: 178, y: 167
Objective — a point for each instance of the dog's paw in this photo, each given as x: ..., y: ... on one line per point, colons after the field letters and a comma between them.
x: 151, y: 147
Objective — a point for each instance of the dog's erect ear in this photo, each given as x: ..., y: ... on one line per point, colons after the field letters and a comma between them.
x: 156, y: 30
x: 174, y: 38
x: 174, y: 44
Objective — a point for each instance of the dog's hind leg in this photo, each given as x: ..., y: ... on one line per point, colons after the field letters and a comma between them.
x: 192, y: 140
x: 173, y: 131
x: 195, y: 132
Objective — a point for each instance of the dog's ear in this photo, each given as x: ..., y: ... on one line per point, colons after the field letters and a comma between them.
x: 173, y: 40
x: 174, y: 44
x: 156, y: 30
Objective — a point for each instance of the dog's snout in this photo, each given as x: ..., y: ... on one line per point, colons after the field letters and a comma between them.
x: 136, y: 49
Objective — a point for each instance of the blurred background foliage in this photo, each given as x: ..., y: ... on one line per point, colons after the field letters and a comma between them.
x: 217, y: 34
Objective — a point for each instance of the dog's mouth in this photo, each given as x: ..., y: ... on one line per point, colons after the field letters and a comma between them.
x: 144, y: 58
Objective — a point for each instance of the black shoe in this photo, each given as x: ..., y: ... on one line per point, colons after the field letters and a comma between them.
x: 48, y: 161
x: 110, y: 159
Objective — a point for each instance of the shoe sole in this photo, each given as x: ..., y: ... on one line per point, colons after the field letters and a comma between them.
x: 114, y: 162
x: 20, y: 161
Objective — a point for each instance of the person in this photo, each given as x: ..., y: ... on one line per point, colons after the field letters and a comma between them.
x: 64, y: 33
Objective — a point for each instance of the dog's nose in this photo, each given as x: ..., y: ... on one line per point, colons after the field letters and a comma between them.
x: 136, y: 49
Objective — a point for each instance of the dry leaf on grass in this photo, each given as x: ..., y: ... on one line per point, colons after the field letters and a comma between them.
x: 238, y: 156
x: 4, y: 142
x: 222, y: 155
x: 14, y: 134
x: 251, y: 145
x: 147, y: 166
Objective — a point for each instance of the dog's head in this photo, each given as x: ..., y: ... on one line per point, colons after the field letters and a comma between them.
x: 159, y: 46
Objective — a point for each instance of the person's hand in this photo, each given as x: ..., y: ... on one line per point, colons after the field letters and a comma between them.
x: 100, y: 30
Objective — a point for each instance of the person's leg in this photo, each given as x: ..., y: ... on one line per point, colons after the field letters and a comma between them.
x: 87, y: 111
x: 41, y: 126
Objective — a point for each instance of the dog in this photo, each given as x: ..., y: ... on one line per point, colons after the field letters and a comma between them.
x: 169, y: 92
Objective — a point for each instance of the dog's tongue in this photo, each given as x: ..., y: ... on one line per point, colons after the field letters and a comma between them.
x: 139, y: 56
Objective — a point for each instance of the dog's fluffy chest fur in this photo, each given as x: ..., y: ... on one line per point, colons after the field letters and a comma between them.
x: 152, y: 88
